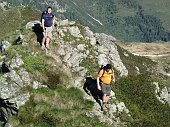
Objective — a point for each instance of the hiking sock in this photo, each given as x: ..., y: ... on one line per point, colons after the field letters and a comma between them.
x: 47, y: 46
x: 43, y: 46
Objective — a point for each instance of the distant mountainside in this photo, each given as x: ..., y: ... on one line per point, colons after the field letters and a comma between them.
x: 130, y: 20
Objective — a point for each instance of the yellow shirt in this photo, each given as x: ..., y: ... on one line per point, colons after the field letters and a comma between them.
x: 107, y: 76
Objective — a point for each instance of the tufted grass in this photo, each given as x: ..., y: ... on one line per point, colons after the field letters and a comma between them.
x: 131, y: 62
x: 59, y: 107
x: 32, y: 63
x: 15, y: 19
x: 138, y: 94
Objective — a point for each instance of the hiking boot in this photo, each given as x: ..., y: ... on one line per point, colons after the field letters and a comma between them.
x: 104, y: 106
x: 107, y: 106
x: 43, y: 47
x: 47, y: 47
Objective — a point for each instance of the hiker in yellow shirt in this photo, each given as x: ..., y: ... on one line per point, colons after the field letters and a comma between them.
x: 104, y: 78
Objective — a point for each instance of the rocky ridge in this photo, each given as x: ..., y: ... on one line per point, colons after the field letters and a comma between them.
x: 69, y: 54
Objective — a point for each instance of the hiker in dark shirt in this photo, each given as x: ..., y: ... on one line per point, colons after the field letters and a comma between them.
x: 47, y: 23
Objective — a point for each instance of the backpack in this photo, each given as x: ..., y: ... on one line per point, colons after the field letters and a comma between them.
x: 103, y: 67
x: 44, y: 12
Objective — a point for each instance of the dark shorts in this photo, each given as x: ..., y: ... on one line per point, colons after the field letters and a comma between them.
x: 106, y: 88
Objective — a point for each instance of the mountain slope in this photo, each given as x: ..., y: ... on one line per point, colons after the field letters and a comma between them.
x: 128, y: 20
x: 48, y: 86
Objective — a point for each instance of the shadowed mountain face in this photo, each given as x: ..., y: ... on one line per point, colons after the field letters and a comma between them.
x: 128, y: 20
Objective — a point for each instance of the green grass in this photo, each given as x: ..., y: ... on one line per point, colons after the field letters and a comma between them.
x: 16, y: 18
x: 131, y: 62
x: 164, y: 62
x: 138, y: 93
x: 29, y: 14
x: 91, y: 65
x: 9, y: 21
x: 68, y: 37
x: 58, y: 107
x: 32, y: 63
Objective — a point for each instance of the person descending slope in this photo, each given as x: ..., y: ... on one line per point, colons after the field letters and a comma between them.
x: 104, y: 78
x: 47, y: 24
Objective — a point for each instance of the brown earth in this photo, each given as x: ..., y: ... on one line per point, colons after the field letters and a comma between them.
x: 148, y: 49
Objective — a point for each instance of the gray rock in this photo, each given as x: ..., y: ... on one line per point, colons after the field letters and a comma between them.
x: 72, y: 23
x: 4, y: 45
x: 36, y: 85
x: 14, y: 77
x: 8, y: 125
x: 21, y: 99
x: 81, y: 47
x: 74, y: 31
x: 108, y: 53
x: 24, y: 76
x: 93, y: 41
x: 78, y: 82
x: 88, y: 32
x: 9, y: 90
x: 121, y: 106
x: 102, y: 60
x: 62, y: 33
x: 31, y: 24
x: 16, y: 62
x: 164, y: 94
x: 3, y: 5
x: 63, y: 22
x: 61, y: 51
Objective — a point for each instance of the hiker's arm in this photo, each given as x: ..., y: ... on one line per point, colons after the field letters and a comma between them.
x: 113, y: 77
x: 53, y: 21
x: 43, y: 24
x: 98, y: 83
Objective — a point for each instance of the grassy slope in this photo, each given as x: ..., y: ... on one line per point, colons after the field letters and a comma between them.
x: 158, y: 8
x: 138, y: 92
x: 15, y: 19
x: 52, y: 106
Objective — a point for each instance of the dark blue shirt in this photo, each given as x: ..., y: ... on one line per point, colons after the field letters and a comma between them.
x: 48, y: 19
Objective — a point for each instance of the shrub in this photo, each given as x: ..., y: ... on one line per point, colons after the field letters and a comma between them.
x: 32, y: 63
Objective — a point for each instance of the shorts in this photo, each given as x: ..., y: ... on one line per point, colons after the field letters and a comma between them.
x: 106, y: 88
x: 48, y: 32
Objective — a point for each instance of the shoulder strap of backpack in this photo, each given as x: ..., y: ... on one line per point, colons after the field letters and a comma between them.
x: 103, y: 72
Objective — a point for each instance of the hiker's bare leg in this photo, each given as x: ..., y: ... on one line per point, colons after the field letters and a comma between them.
x: 43, y: 43
x: 104, y: 98
x: 47, y: 42
x: 104, y: 102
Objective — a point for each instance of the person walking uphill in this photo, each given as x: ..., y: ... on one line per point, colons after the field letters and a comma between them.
x: 47, y: 21
x: 104, y: 78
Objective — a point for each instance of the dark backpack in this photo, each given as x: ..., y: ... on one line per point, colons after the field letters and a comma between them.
x: 44, y: 12
x: 102, y: 67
